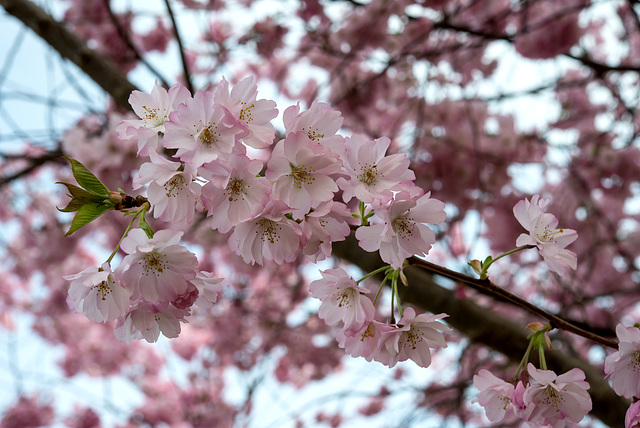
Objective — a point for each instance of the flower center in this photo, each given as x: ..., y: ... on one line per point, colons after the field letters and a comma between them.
x: 175, y: 183
x: 209, y: 136
x: 154, y: 264
x: 245, y: 113
x: 412, y: 338
x: 368, y: 174
x: 547, y: 234
x: 152, y: 118
x: 235, y: 189
x: 634, y: 362
x: 103, y: 288
x: 314, y: 134
x: 301, y: 175
x: 403, y: 226
x: 552, y: 398
x: 370, y: 332
x: 269, y: 230
x: 345, y: 299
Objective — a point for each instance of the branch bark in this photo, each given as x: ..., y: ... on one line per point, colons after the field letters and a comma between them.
x: 95, y: 64
x: 485, y: 326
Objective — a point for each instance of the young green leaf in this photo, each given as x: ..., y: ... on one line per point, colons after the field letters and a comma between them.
x: 85, y: 215
x: 76, y: 192
x: 86, y: 179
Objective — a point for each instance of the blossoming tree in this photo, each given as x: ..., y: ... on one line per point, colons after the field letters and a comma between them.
x: 326, y: 181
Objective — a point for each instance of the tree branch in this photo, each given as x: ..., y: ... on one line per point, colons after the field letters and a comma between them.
x: 95, y: 64
x: 494, y: 290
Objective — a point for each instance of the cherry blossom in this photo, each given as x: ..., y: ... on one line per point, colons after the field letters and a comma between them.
x: 147, y: 320
x: 623, y: 366
x: 156, y: 269
x: 398, y: 229
x: 197, y: 130
x: 153, y: 110
x: 373, y: 174
x: 366, y: 341
x: 342, y: 300
x: 412, y: 338
x: 209, y: 288
x: 245, y: 111
x: 320, y: 122
x: 554, y: 398
x: 496, y: 395
x: 234, y: 192
x: 96, y: 293
x: 269, y: 236
x: 172, y: 191
x: 301, y: 176
x: 325, y: 224
x: 551, y: 242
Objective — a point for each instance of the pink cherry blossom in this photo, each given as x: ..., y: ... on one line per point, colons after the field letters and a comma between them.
x: 372, y: 174
x: 302, y: 173
x: 172, y: 191
x: 320, y: 123
x: 147, y: 320
x: 269, y: 236
x: 326, y: 224
x: 245, y: 111
x: 234, y: 192
x: 342, y: 300
x: 96, y: 293
x: 553, y: 398
x: 153, y: 110
x: 366, y: 341
x: 398, y: 229
x: 496, y: 395
x: 197, y: 130
x: 551, y: 242
x: 209, y: 287
x: 156, y: 269
x: 412, y: 338
x: 632, y: 417
x: 623, y: 366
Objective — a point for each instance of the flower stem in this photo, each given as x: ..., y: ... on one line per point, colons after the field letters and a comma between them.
x: 141, y: 212
x: 490, y: 260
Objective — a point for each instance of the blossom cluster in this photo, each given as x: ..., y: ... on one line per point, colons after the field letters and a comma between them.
x: 549, y: 400
x: 150, y: 292
x: 216, y: 152
x: 218, y: 137
x: 544, y: 235
x: 345, y: 303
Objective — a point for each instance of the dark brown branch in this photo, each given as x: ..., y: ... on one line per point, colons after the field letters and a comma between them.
x: 35, y: 164
x: 95, y: 64
x: 494, y: 290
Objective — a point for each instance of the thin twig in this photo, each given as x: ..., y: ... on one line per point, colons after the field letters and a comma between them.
x: 185, y: 66
x: 127, y: 40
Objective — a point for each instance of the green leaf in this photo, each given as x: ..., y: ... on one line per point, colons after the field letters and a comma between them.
x: 86, y: 179
x: 76, y: 192
x: 85, y: 215
x: 73, y: 205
